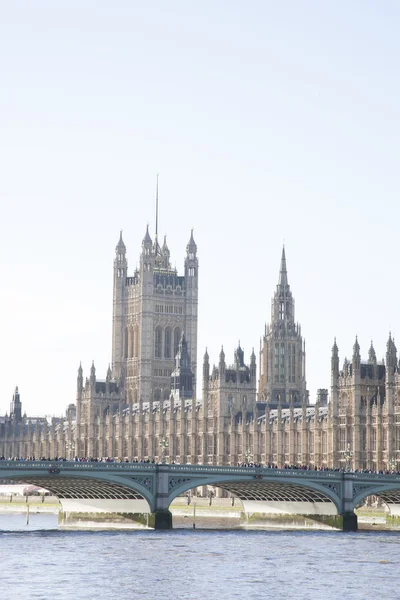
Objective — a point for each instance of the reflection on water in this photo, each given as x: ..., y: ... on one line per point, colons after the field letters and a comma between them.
x: 40, y: 561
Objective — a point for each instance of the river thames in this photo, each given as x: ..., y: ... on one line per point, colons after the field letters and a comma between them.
x: 41, y: 562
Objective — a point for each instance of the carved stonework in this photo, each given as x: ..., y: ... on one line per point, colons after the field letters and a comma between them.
x: 334, y: 487
x: 358, y: 488
x: 174, y: 481
x: 144, y: 481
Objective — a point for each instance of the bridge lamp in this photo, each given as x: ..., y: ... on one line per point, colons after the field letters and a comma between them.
x: 347, y: 456
x: 71, y: 448
x: 163, y: 445
x: 248, y: 456
x: 392, y: 463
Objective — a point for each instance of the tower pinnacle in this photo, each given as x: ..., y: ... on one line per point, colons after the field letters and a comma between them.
x: 283, y: 278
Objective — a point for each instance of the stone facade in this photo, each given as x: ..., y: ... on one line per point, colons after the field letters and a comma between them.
x: 149, y: 397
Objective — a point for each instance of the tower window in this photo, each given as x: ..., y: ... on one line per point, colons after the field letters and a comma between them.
x: 276, y: 363
x: 177, y: 339
x: 282, y: 362
x: 157, y: 343
x: 167, y: 343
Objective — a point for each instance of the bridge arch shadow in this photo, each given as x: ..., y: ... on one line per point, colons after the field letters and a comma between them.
x: 266, y: 495
x: 91, y: 492
x: 389, y: 494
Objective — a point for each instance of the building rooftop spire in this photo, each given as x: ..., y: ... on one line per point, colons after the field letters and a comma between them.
x: 283, y: 278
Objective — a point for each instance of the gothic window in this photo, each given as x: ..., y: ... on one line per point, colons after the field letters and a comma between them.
x: 157, y: 342
x: 298, y: 442
x: 167, y: 343
x: 230, y: 402
x: 281, y: 311
x: 324, y: 443
x: 342, y: 439
x: 282, y: 363
x: 126, y: 344
x: 136, y: 342
x: 286, y: 442
x: 132, y: 344
x: 397, y: 438
x: 276, y: 363
x: 177, y: 339
x: 293, y: 363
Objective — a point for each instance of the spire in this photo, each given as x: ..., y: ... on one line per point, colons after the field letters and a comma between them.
x: 371, y: 354
x: 157, y: 210
x: 335, y: 349
x: 356, y: 348
x: 147, y: 239
x: 165, y: 246
x: 109, y: 374
x: 283, y: 278
x: 191, y: 248
x: 120, y: 249
x: 92, y: 373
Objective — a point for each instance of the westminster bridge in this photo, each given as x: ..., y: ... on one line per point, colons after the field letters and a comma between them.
x: 133, y: 488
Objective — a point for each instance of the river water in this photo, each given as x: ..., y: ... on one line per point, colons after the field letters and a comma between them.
x: 39, y: 561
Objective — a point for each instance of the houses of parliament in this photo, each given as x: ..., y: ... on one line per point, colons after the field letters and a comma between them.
x: 154, y: 399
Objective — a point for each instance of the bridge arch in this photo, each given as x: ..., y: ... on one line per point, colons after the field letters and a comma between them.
x: 90, y: 486
x: 389, y: 493
x: 252, y: 489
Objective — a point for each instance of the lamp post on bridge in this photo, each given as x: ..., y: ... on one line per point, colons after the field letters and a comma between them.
x: 71, y: 449
x: 163, y: 445
x: 392, y: 464
x: 347, y: 456
x: 247, y: 456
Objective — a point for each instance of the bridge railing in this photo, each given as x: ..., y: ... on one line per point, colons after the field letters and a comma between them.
x: 24, y: 465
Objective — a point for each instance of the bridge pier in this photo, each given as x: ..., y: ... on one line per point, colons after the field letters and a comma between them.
x: 161, y: 520
x: 349, y: 521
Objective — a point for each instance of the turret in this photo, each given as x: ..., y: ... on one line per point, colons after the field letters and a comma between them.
x: 206, y: 368
x: 16, y: 407
x: 335, y: 364
x: 182, y: 376
x: 356, y: 356
x: 79, y: 379
x: 391, y: 359
x: 221, y: 364
x: 372, y: 354
x: 120, y: 273
x: 239, y: 357
x: 147, y: 243
x: 253, y: 366
x: 191, y: 300
x: 92, y: 375
x: 283, y: 304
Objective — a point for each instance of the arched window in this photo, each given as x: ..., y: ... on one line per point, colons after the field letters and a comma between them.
x: 276, y: 362
x: 167, y: 342
x: 177, y: 339
x: 126, y: 343
x: 157, y: 342
x: 136, y: 342
x: 282, y: 374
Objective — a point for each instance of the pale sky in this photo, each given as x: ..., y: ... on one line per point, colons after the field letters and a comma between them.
x: 268, y: 122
